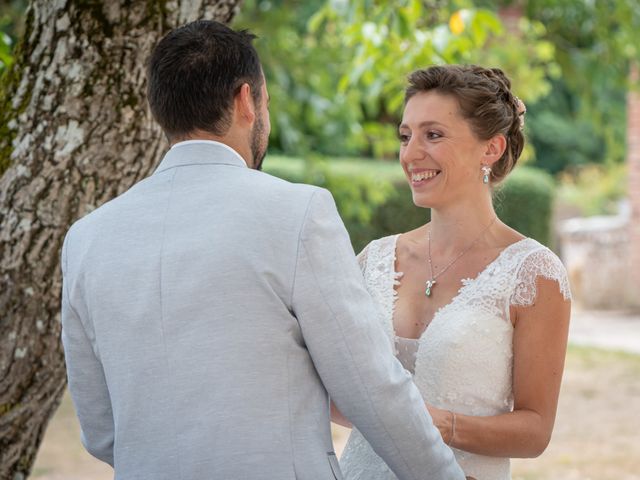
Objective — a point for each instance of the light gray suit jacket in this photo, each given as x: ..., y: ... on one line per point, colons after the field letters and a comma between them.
x: 207, y: 312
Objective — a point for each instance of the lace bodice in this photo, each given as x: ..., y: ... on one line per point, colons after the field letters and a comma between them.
x: 407, y: 352
x: 464, y: 359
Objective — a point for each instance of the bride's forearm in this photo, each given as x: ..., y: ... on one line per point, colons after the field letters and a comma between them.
x: 337, y: 417
x: 519, y: 434
x: 539, y: 348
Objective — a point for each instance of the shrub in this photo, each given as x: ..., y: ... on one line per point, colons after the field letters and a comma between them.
x: 525, y: 202
x: 374, y: 206
x: 359, y: 197
x: 594, y: 189
x: 396, y: 215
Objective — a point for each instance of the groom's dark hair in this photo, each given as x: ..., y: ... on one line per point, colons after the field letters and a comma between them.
x: 194, y: 73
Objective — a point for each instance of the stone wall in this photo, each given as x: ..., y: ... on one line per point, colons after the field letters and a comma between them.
x: 602, y: 254
x: 595, y: 251
x: 633, y: 165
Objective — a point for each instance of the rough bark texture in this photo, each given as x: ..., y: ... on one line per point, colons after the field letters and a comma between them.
x: 75, y: 131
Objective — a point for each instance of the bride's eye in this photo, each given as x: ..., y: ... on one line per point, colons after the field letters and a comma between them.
x: 404, y: 138
x: 432, y: 135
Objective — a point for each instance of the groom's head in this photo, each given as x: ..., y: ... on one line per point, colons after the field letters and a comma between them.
x: 206, y: 81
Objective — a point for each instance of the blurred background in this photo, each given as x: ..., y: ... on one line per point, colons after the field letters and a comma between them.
x: 336, y: 72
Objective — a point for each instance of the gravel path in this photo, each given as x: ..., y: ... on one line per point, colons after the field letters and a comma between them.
x: 612, y: 330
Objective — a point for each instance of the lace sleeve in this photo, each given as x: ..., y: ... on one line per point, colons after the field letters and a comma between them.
x: 539, y: 263
x: 362, y: 258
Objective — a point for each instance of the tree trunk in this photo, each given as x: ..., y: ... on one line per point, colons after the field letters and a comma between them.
x: 75, y: 131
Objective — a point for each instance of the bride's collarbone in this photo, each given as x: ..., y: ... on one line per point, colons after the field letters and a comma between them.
x: 414, y: 309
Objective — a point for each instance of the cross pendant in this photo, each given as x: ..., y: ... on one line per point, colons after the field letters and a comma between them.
x: 430, y: 284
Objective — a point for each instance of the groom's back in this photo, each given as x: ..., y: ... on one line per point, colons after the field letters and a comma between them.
x: 184, y: 285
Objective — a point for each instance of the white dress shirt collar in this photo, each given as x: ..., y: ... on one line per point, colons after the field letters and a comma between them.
x: 211, y: 142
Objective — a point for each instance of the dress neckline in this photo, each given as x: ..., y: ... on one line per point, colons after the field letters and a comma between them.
x: 466, y: 282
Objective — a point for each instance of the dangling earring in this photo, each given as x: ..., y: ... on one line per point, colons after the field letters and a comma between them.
x: 486, y: 171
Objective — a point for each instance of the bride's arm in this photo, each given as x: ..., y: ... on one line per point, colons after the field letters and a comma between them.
x: 337, y: 417
x: 539, y: 347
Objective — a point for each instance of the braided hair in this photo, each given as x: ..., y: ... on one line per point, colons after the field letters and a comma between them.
x: 486, y: 102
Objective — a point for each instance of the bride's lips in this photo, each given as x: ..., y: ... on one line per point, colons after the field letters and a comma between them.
x: 422, y: 177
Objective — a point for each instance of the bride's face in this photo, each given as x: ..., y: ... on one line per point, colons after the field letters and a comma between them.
x: 439, y: 153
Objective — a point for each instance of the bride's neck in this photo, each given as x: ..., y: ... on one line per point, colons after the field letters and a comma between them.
x: 453, y: 227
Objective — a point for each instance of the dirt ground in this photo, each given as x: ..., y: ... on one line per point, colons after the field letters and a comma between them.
x: 597, y: 434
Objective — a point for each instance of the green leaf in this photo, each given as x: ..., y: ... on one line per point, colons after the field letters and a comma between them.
x: 6, y: 51
x: 404, y: 24
x: 317, y: 20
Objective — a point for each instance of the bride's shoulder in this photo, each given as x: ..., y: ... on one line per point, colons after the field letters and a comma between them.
x: 531, y: 251
x: 377, y: 252
x: 381, y: 244
x: 411, y: 245
x: 533, y: 260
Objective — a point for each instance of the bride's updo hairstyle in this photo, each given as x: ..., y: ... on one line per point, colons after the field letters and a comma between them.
x: 486, y: 102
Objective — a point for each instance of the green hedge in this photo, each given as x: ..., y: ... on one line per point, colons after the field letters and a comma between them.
x: 525, y: 203
x: 379, y: 204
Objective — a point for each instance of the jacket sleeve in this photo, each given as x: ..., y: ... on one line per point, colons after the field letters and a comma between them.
x: 87, y: 383
x: 353, y: 355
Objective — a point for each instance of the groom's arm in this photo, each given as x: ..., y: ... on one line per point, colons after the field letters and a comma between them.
x: 353, y: 356
x: 87, y: 383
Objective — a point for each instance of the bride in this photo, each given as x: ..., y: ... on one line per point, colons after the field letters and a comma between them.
x: 477, y: 312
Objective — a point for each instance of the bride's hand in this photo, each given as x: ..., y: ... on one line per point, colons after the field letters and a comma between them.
x: 443, y: 420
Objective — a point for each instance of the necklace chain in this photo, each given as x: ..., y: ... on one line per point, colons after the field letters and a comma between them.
x: 430, y: 283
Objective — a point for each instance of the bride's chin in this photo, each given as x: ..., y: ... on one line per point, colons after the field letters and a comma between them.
x: 422, y: 201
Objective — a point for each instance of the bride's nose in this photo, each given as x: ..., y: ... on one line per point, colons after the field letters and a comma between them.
x: 412, y: 151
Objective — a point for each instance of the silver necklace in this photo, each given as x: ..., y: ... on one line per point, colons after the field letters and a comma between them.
x: 431, y: 283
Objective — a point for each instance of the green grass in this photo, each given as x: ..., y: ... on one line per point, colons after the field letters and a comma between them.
x: 590, y: 357
x: 597, y: 355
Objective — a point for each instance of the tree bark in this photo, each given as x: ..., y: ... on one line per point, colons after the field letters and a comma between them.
x: 75, y: 131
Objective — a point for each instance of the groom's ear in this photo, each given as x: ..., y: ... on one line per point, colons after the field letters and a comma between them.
x: 245, y: 108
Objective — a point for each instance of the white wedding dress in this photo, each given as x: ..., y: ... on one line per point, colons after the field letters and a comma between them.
x: 463, y: 361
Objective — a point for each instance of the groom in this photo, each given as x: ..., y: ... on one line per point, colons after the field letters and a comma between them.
x: 209, y: 311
